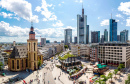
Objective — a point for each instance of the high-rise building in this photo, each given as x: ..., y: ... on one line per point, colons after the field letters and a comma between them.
x: 113, y: 30
x: 82, y: 29
x: 14, y: 43
x: 118, y: 37
x: 114, y: 53
x: 105, y: 35
x: 95, y: 37
x: 68, y: 36
x: 47, y: 41
x: 62, y: 41
x: 43, y: 41
x: 124, y: 36
x: 75, y: 39
x: 102, y: 39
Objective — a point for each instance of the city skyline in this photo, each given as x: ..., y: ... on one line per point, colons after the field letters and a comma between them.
x: 51, y: 19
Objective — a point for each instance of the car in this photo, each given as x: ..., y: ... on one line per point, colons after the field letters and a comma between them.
x: 42, y: 66
x: 51, y: 60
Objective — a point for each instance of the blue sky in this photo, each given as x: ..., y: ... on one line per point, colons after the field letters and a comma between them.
x: 51, y: 17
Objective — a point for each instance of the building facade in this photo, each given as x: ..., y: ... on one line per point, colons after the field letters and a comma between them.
x: 68, y: 36
x: 105, y: 35
x: 118, y: 37
x: 43, y: 41
x: 124, y: 36
x: 82, y: 29
x: 113, y: 30
x: 114, y: 53
x: 75, y: 39
x: 94, y: 53
x: 25, y: 57
x: 95, y: 37
x: 102, y: 39
x: 47, y: 41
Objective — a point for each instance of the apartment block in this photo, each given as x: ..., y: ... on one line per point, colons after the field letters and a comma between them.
x: 93, y: 53
x: 114, y: 53
x: 80, y: 50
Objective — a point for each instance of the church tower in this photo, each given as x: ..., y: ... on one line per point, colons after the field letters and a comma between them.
x: 32, y: 50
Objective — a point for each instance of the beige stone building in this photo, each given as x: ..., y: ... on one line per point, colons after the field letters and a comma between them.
x: 81, y: 50
x: 114, y: 53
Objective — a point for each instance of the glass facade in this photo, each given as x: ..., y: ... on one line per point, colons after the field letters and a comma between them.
x: 68, y: 35
x: 124, y: 35
x: 105, y: 35
x: 95, y: 37
x: 113, y: 30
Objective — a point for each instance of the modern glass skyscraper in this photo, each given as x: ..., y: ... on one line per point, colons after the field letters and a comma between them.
x: 82, y: 29
x: 68, y: 36
x: 124, y: 35
x: 105, y: 35
x: 75, y: 39
x: 95, y: 37
x: 113, y: 30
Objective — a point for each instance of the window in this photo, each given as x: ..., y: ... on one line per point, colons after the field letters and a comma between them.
x: 22, y: 63
x: 34, y: 56
x: 34, y: 46
x: 17, y: 64
x: 26, y: 63
x: 29, y: 47
x: 12, y: 64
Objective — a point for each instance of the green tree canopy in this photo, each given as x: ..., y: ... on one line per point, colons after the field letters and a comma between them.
x: 65, y: 46
x: 128, y: 80
x: 39, y: 63
x: 115, y: 72
x: 1, y: 64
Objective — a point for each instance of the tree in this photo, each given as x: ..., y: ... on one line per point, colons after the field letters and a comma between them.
x: 128, y: 80
x: 39, y: 63
x: 99, y: 81
x: 1, y: 64
x: 110, y: 76
x: 115, y: 72
x: 65, y: 47
x: 105, y: 78
x: 120, y: 66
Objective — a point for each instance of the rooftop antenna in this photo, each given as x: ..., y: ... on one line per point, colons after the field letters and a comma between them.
x: 31, y: 23
x: 82, y: 5
x: 111, y: 15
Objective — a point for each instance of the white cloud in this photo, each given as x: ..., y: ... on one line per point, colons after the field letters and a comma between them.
x: 125, y: 7
x: 104, y: 22
x: 98, y: 17
x: 58, y: 24
x: 73, y: 19
x: 62, y: 2
x: 117, y: 20
x: 17, y: 18
x: 80, y: 1
x: 119, y: 15
x: 5, y: 15
x: 128, y: 22
x: 44, y: 11
x: 59, y: 4
x: 38, y: 9
x: 20, y: 7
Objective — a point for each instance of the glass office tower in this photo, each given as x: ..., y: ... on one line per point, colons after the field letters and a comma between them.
x: 68, y: 36
x: 113, y: 30
x: 95, y: 37
x: 124, y: 36
x: 105, y: 35
x: 82, y: 29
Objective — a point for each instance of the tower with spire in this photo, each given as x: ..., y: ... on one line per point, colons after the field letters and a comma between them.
x: 82, y: 28
x: 32, y: 49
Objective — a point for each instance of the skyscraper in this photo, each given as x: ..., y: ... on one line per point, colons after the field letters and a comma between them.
x: 105, y: 35
x: 102, y: 39
x: 68, y: 36
x: 124, y: 35
x: 118, y: 37
x: 82, y: 29
x: 75, y: 39
x: 95, y: 37
x: 43, y: 41
x: 113, y: 30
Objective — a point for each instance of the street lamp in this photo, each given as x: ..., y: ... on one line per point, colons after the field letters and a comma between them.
x: 44, y: 78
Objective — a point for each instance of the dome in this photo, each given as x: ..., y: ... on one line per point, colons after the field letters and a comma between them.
x: 31, y: 32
